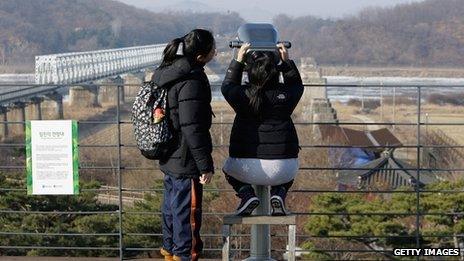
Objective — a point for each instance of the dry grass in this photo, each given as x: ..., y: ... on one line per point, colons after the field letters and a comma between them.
x: 404, y: 113
x: 81, y: 113
x: 430, y: 113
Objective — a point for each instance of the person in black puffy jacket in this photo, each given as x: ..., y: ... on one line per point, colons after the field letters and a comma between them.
x: 189, y: 164
x: 264, y: 143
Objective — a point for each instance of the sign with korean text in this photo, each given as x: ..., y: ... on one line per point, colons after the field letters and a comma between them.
x: 52, y: 157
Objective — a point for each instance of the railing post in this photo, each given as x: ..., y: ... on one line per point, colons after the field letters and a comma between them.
x: 222, y: 128
x: 226, y: 243
x: 362, y: 96
x: 121, y: 233
x: 418, y: 165
x: 291, y: 242
x: 394, y: 108
x: 381, y: 102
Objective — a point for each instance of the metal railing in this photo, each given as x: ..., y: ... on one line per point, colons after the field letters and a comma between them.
x: 121, y: 211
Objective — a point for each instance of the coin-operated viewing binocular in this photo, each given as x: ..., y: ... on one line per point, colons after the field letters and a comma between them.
x: 262, y: 37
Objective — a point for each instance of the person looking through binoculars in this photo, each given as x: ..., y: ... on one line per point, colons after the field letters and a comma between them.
x: 264, y: 143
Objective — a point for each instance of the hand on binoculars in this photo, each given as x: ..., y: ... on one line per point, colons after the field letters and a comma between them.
x: 283, y: 52
x: 242, y: 52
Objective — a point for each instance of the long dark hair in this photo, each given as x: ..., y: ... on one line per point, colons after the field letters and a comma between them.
x: 262, y: 73
x: 197, y: 42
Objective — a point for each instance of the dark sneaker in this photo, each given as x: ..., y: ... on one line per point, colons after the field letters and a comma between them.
x: 278, y: 201
x: 248, y: 203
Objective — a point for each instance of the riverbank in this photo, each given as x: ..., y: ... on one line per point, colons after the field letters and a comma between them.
x: 393, y: 71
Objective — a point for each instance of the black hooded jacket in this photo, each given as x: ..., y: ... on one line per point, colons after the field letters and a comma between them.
x: 189, y: 103
x: 273, y: 135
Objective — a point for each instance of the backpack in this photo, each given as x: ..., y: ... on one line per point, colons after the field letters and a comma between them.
x: 150, y: 121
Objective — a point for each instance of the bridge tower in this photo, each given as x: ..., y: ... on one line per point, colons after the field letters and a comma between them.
x: 315, y: 104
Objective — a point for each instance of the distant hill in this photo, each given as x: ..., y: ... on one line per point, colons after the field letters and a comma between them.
x: 34, y: 27
x: 252, y: 11
x: 426, y: 34
x: 429, y: 33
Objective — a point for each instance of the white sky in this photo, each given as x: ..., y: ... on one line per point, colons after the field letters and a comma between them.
x: 266, y: 9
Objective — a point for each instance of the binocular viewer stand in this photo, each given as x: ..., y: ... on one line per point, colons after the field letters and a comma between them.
x: 260, y: 243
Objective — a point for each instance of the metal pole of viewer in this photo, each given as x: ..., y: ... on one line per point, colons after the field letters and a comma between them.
x: 260, y: 248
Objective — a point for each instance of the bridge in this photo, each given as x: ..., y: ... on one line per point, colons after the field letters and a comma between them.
x: 72, y: 68
x: 55, y: 71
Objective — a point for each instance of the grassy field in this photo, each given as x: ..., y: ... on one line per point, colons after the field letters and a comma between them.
x: 401, y: 113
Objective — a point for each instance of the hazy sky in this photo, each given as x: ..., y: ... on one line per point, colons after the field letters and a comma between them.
x: 266, y: 9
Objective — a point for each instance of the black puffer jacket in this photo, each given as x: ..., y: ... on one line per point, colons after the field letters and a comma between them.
x: 190, y: 113
x: 273, y: 136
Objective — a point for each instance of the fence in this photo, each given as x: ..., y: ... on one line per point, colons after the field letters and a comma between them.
x: 124, y: 178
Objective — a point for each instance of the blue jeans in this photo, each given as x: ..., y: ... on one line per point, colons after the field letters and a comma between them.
x: 182, y: 217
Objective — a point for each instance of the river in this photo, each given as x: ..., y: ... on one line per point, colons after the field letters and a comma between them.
x: 395, y: 85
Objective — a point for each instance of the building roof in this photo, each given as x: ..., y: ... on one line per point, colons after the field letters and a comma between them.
x: 387, y: 170
x: 336, y: 135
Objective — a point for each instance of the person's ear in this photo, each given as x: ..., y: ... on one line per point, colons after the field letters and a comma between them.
x: 200, y: 58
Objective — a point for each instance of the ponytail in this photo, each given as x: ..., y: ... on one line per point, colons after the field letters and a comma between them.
x: 170, y: 53
x: 262, y: 74
x: 255, y: 94
x: 196, y: 42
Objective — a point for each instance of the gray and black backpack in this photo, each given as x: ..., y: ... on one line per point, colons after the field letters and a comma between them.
x: 150, y: 121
